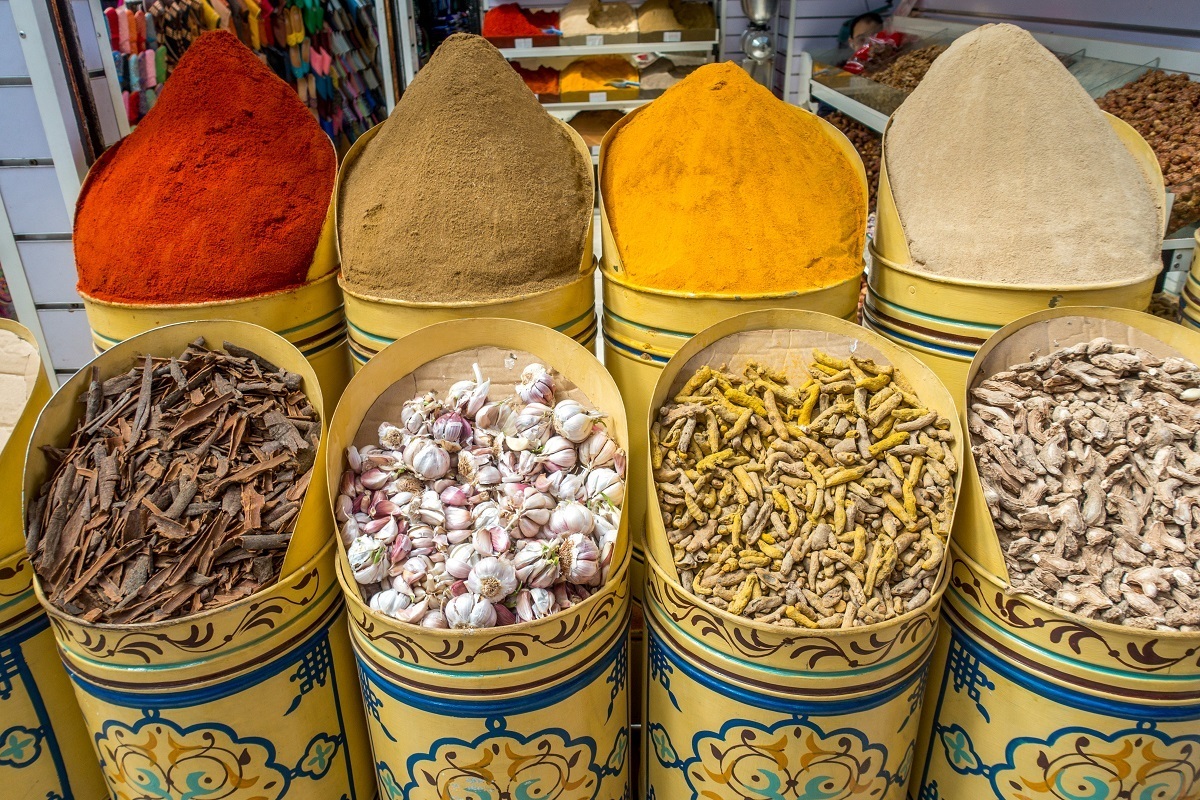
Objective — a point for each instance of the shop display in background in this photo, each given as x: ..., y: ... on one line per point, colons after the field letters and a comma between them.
x: 909, y: 68
x: 592, y: 125
x: 779, y: 496
x: 233, y: 171
x: 509, y: 20
x: 613, y: 76
x: 960, y: 159
x: 582, y: 18
x: 438, y: 20
x: 6, y: 302
x: 543, y: 81
x: 327, y: 50
x: 869, y: 145
x: 720, y: 187
x: 471, y: 143
x: 663, y: 72
x: 1165, y: 110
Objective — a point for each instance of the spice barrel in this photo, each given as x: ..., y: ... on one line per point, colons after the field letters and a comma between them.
x: 944, y: 320
x: 311, y: 317
x: 46, y: 747
x: 643, y: 328
x: 737, y: 708
x: 536, y: 709
x: 376, y: 322
x: 260, y: 693
x: 1027, y: 700
x: 1191, y: 290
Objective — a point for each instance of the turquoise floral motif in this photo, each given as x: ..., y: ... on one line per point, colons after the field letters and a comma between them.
x: 157, y: 759
x: 967, y: 674
x: 1140, y: 763
x: 387, y: 781
x: 20, y: 747
x: 616, y: 758
x: 318, y: 756
x: 960, y: 752
x: 618, y: 678
x: 793, y: 759
x: 504, y: 765
x: 664, y: 751
x: 660, y: 668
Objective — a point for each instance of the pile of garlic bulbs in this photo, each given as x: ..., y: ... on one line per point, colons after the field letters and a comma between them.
x: 474, y: 512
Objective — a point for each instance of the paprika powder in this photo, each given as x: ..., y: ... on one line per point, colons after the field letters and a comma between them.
x: 220, y: 193
x: 509, y: 19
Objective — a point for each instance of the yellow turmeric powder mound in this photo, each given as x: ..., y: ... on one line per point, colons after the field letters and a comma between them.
x: 719, y: 187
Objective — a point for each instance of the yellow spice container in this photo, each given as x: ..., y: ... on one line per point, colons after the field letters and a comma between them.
x: 740, y: 709
x: 1029, y: 702
x: 254, y: 700
x: 533, y: 710
x: 376, y: 322
x: 946, y: 320
x: 644, y: 327
x: 45, y: 750
x: 1191, y: 290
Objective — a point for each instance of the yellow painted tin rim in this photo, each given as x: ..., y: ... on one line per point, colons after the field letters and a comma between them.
x: 1054, y: 611
x: 583, y: 276
x: 778, y: 630
x: 624, y: 283
x: 233, y: 301
x: 1004, y: 287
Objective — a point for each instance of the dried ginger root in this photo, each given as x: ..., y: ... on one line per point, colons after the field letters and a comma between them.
x: 1090, y: 463
x: 823, y: 504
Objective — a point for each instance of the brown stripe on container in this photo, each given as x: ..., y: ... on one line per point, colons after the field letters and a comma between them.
x: 967, y: 341
x: 1090, y: 687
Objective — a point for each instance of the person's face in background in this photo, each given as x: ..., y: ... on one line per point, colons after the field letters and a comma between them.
x: 862, y: 31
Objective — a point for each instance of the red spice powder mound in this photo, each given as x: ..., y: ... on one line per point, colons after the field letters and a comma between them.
x: 543, y: 80
x: 220, y: 192
x: 508, y: 19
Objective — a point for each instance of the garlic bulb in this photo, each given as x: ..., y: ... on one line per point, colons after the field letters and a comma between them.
x: 598, y: 450
x: 390, y: 602
x: 535, y: 422
x: 536, y: 564
x: 605, y: 485
x: 451, y: 428
x: 573, y: 421
x: 492, y: 579
x: 367, y: 559
x: 535, y: 604
x: 468, y: 611
x: 536, y: 386
x: 426, y: 459
x: 578, y: 558
x: 571, y: 517
x: 558, y: 453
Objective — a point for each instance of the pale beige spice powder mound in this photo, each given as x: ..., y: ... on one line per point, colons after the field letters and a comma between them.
x: 18, y: 374
x: 1004, y: 170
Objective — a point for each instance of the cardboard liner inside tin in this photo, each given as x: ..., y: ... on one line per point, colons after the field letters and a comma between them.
x: 1026, y: 339
x: 12, y: 455
x: 61, y: 415
x: 784, y: 340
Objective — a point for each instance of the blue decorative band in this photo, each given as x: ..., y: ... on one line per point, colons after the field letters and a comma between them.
x: 535, y: 701
x: 151, y: 699
x: 785, y: 705
x: 33, y: 627
x: 1104, y: 706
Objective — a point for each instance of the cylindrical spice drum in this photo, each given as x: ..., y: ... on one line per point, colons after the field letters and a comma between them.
x: 537, y: 709
x: 945, y: 320
x: 643, y: 328
x: 44, y: 748
x: 1027, y: 701
x: 1191, y: 290
x: 255, y: 699
x: 376, y: 322
x: 738, y: 708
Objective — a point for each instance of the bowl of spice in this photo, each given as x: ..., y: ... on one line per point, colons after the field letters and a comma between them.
x: 174, y: 515
x: 958, y: 177
x: 805, y: 474
x: 231, y: 181
x: 24, y: 389
x: 478, y: 475
x: 1075, y: 592
x: 493, y: 198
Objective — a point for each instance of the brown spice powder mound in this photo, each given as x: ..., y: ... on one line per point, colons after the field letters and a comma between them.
x: 470, y: 190
x: 1004, y: 170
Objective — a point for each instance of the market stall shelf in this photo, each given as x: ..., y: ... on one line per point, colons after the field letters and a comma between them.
x: 1025, y: 698
x: 259, y: 692
x: 1191, y: 290
x: 44, y: 746
x: 737, y: 706
x: 535, y: 707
